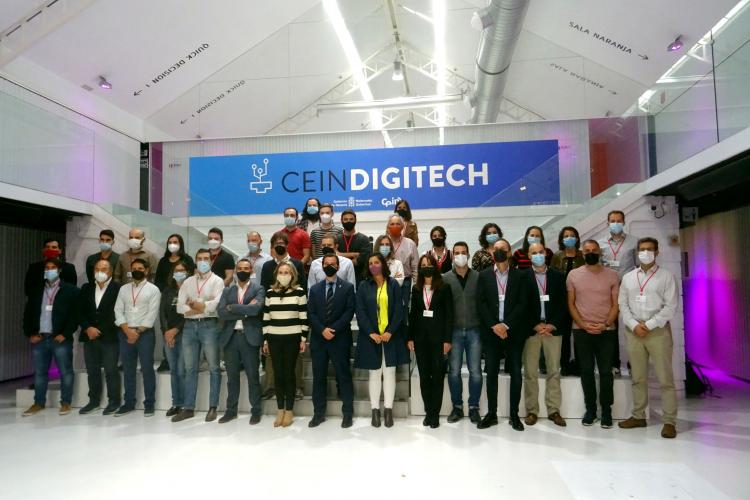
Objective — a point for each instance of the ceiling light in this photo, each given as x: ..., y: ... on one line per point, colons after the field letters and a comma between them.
x: 398, y: 71
x: 104, y: 84
x: 394, y: 103
x: 675, y: 45
x: 522, y: 188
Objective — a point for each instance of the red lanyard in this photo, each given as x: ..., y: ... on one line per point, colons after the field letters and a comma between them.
x: 440, y: 261
x: 214, y: 257
x: 427, y: 298
x: 542, y: 287
x: 134, y: 295
x: 200, y: 288
x: 348, y: 243
x: 500, y: 286
x: 615, y: 252
x: 241, y: 296
x: 51, y: 300
x: 643, y: 287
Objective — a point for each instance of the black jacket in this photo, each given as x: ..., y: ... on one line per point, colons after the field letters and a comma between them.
x: 35, y: 276
x: 342, y: 312
x: 266, y: 274
x: 519, y: 294
x: 555, y: 310
x: 64, y: 311
x: 102, y: 317
x: 439, y: 328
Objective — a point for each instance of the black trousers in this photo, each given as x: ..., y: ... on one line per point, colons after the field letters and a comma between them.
x: 98, y: 355
x: 238, y: 353
x: 494, y: 349
x: 284, y: 351
x: 336, y: 351
x: 431, y: 364
x: 596, y: 350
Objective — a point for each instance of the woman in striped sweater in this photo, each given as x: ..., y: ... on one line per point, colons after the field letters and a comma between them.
x: 284, y: 332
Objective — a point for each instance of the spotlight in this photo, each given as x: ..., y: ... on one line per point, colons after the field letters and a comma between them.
x: 522, y: 188
x: 104, y: 84
x: 398, y: 71
x: 676, y: 45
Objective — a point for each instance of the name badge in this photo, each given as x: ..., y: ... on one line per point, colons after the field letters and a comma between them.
x: 252, y: 276
x: 47, y: 308
x: 199, y: 300
x: 544, y: 298
x: 614, y: 263
x: 129, y: 274
x: 428, y: 314
x: 502, y: 298
x: 640, y: 298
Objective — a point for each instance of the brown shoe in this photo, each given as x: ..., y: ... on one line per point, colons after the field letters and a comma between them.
x: 288, y: 418
x: 279, y: 418
x: 33, y: 410
x: 632, y: 423
x: 211, y: 415
x: 557, y: 419
x: 668, y: 431
x: 530, y: 419
x: 64, y: 409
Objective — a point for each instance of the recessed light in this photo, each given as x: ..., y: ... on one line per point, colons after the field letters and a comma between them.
x: 675, y: 45
x: 104, y: 84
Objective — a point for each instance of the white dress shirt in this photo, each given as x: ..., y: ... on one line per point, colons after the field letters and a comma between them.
x: 345, y: 272
x: 651, y: 297
x: 99, y: 291
x: 206, y: 289
x: 137, y: 305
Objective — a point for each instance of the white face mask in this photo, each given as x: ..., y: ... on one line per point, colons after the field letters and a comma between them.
x: 461, y: 260
x: 326, y: 218
x: 134, y: 243
x: 284, y: 279
x: 646, y: 257
x: 101, y: 277
x: 214, y: 244
x: 173, y: 247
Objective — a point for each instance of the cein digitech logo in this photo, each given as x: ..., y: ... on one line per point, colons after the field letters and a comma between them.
x: 260, y: 186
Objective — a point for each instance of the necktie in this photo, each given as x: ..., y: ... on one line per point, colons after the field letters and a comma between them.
x: 329, y: 302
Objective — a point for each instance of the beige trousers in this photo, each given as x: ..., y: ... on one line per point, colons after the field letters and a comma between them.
x: 552, y: 346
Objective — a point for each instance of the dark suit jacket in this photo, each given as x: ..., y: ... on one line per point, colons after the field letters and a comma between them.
x: 519, y: 293
x: 555, y: 310
x: 341, y: 315
x: 369, y: 354
x: 64, y: 311
x: 266, y: 273
x: 439, y: 328
x: 251, y: 314
x: 102, y: 317
x: 35, y: 276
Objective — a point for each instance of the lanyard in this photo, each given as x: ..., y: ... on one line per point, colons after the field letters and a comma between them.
x: 440, y: 261
x: 214, y: 257
x: 378, y: 294
x: 135, y: 295
x: 51, y: 299
x: 643, y: 287
x: 542, y: 287
x: 347, y: 243
x: 200, y: 287
x: 500, y: 286
x: 427, y: 296
x: 615, y: 252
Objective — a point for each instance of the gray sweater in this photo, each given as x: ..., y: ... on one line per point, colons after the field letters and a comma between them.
x: 464, y: 299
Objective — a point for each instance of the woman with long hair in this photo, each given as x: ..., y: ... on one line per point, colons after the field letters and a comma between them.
x: 482, y: 258
x: 384, y: 246
x: 174, y: 253
x: 534, y: 234
x: 172, y: 323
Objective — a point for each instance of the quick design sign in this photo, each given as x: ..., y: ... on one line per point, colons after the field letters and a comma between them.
x: 455, y: 176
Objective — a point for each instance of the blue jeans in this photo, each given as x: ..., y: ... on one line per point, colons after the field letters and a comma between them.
x: 177, y: 370
x: 130, y: 354
x: 41, y: 355
x: 200, y: 336
x: 467, y: 340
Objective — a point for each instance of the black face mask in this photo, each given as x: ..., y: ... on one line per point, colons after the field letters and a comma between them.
x: 500, y: 255
x: 403, y: 213
x: 330, y: 270
x: 427, y: 272
x: 591, y: 258
x: 243, y: 275
x: 438, y: 242
x: 138, y: 275
x: 280, y: 250
x: 349, y: 225
x: 327, y: 251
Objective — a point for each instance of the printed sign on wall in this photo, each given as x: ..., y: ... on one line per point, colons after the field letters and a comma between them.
x: 455, y: 176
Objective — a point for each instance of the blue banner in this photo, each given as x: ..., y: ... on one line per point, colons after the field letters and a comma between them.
x: 455, y: 176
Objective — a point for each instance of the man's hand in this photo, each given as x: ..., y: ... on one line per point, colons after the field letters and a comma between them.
x: 93, y: 333
x: 594, y: 328
x: 35, y: 339
x: 410, y: 345
x: 132, y: 335
x: 170, y: 337
x: 59, y: 339
x: 500, y: 330
x: 196, y: 306
x: 386, y: 336
x: 641, y: 330
x: 328, y: 333
x: 446, y: 347
x: 375, y: 338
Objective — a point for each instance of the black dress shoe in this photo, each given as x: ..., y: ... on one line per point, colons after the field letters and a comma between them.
x: 183, y: 415
x: 211, y: 415
x: 516, y: 423
x: 388, y: 417
x: 111, y: 408
x: 173, y: 411
x: 375, y: 418
x: 163, y: 366
x: 227, y: 417
x: 435, y: 422
x: 487, y: 421
x: 254, y: 418
x: 456, y: 415
x: 474, y: 415
x: 346, y: 422
x: 316, y: 420
x: 426, y: 421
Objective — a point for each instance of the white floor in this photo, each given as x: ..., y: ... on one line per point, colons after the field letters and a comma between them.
x: 96, y: 457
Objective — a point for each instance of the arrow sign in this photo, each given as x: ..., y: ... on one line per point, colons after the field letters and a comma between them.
x: 137, y: 93
x: 643, y: 56
x: 182, y: 122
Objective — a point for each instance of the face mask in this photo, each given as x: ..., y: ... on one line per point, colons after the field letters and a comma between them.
x: 325, y: 218
x: 289, y: 221
x: 173, y: 247
x: 616, y: 227
x: 438, y: 242
x: 427, y: 272
x: 403, y: 212
x: 179, y: 276
x: 591, y: 258
x: 570, y: 241
x: 492, y: 238
x: 252, y: 247
x: 138, y: 275
x: 105, y: 246
x: 538, y: 259
x: 330, y: 270
x: 499, y: 255
x: 312, y: 210
x: 203, y: 266
x: 395, y: 231
x: 327, y: 251
x: 101, y: 277
x: 349, y: 225
x: 134, y: 243
x: 50, y: 253
x: 284, y: 279
x: 461, y: 260
x: 243, y: 276
x: 385, y: 250
x: 280, y: 250
x: 214, y: 244
x: 533, y: 239
x: 646, y: 257
x: 375, y: 269
x: 51, y: 274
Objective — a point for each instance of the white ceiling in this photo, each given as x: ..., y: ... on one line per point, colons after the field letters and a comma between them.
x: 271, y: 60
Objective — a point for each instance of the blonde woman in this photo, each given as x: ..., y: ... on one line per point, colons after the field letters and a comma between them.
x: 284, y: 331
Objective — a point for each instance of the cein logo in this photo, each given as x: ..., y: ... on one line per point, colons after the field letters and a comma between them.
x: 390, y: 202
x: 260, y: 186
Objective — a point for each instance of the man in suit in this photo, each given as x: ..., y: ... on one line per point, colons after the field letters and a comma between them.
x: 330, y: 310
x: 548, y: 311
x: 35, y: 273
x: 504, y: 300
x: 49, y: 321
x: 96, y: 306
x: 241, y: 307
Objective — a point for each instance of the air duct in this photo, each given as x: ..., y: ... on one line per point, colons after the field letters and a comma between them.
x: 500, y: 23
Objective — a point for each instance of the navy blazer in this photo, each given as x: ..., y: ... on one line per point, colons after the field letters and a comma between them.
x: 251, y: 314
x: 342, y: 313
x: 64, y: 311
x: 555, y: 311
x: 369, y: 354
x: 519, y: 293
x: 102, y: 317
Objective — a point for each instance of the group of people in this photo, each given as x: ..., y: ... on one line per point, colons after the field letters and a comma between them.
x: 497, y: 304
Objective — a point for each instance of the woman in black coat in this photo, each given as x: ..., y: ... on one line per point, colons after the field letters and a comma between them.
x: 430, y: 333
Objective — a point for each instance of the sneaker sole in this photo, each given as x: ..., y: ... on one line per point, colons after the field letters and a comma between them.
x: 592, y: 423
x: 123, y: 414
